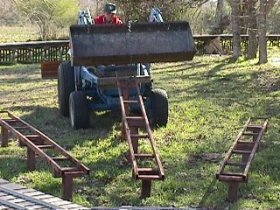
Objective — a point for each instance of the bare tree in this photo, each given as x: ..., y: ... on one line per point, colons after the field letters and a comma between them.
x: 220, y: 11
x: 222, y: 20
x: 262, y: 32
x: 8, y: 13
x: 48, y: 15
x: 251, y: 14
x: 235, y: 29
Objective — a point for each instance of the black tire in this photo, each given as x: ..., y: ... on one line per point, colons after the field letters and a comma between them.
x: 79, y: 110
x: 159, y: 108
x: 65, y: 85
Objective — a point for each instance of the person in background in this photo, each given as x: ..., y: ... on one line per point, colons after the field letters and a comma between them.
x: 109, y: 16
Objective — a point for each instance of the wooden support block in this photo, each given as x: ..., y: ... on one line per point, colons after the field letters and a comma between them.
x: 5, y: 137
x: 67, y: 182
x: 146, y: 188
x: 31, y: 161
x: 232, y: 191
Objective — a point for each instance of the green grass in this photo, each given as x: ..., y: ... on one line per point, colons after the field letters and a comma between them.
x: 210, y: 100
x: 25, y: 33
x: 18, y: 33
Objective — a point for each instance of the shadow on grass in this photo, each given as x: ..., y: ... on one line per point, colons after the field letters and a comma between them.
x: 49, y: 121
x: 217, y: 68
x: 12, y: 166
x: 208, y: 192
x: 18, y: 74
x: 178, y: 65
x: 235, y: 88
x: 178, y: 71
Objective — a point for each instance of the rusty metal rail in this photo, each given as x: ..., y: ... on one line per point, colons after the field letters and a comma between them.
x: 131, y: 131
x: 38, y: 144
x: 235, y: 167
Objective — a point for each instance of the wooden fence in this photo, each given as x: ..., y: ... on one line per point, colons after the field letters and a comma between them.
x: 39, y: 51
x: 34, y: 52
x: 226, y: 41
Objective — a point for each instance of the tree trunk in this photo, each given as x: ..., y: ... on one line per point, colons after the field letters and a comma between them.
x: 219, y: 16
x: 262, y: 32
x: 235, y: 29
x: 252, y: 29
x: 242, y: 20
x: 222, y: 21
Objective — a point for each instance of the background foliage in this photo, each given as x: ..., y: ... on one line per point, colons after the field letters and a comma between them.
x: 52, y: 18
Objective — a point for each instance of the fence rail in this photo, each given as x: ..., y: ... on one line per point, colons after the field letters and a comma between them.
x: 34, y: 52
x: 227, y: 43
x: 39, y: 51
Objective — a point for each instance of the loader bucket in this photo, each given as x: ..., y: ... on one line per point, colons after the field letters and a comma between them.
x: 134, y: 43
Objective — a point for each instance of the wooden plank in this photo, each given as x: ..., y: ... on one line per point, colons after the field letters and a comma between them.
x: 3, y: 181
x: 37, y: 207
x: 28, y: 198
x: 25, y: 204
x: 51, y: 199
x: 18, y: 200
x: 12, y: 205
x: 33, y: 194
x: 4, y: 207
x: 43, y: 196
x: 2, y: 194
x: 72, y: 206
x: 7, y: 197
x: 60, y: 203
x: 25, y: 190
x: 25, y: 198
x: 12, y: 186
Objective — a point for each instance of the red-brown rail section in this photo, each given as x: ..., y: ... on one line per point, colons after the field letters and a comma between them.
x: 38, y: 144
x: 146, y: 164
x: 235, y: 167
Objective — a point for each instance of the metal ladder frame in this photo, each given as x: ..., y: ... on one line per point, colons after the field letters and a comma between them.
x: 247, y: 150
x: 36, y: 143
x: 130, y: 128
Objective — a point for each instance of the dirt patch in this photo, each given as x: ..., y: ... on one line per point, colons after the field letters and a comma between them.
x: 210, y: 157
x: 267, y: 81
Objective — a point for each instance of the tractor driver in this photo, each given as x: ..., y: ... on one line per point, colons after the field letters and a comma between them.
x: 109, y: 16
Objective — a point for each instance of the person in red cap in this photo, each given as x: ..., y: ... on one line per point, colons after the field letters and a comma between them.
x: 109, y: 16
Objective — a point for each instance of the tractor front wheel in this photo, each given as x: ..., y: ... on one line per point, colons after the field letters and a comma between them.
x: 79, y: 110
x: 66, y: 85
x: 159, y: 107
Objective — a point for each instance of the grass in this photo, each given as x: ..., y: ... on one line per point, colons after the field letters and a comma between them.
x: 210, y: 101
x: 18, y: 33
x: 25, y: 33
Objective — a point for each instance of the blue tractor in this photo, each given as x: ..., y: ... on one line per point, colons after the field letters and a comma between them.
x: 100, y: 54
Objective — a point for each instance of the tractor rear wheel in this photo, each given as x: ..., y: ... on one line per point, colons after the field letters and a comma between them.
x: 79, y: 110
x: 159, y: 107
x: 66, y: 85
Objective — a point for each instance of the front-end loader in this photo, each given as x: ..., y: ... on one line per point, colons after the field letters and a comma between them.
x: 102, y: 53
